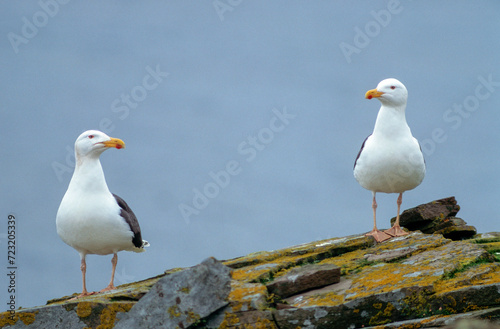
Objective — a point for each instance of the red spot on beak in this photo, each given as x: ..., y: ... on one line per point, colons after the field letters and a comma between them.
x: 118, y: 146
x: 370, y: 97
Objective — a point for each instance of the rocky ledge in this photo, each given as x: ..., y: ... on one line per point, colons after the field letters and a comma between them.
x: 441, y: 275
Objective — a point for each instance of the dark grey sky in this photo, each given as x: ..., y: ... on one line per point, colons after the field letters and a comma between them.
x: 269, y: 92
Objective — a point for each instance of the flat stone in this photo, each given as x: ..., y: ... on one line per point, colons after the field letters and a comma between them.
x: 453, y: 228
x: 373, y: 309
x: 458, y: 232
x: 472, y: 297
x: 338, y: 288
x: 469, y: 320
x: 421, y: 215
x: 391, y: 255
x: 251, y: 319
x: 487, y: 237
x: 226, y: 319
x: 74, y: 314
x: 56, y: 316
x: 445, y: 257
x: 181, y: 299
x: 304, y: 278
x: 312, y: 251
x: 440, y: 223
x: 450, y: 221
x: 247, y: 297
x: 399, y: 309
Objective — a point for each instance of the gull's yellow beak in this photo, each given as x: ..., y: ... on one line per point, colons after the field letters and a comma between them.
x: 373, y: 93
x: 114, y: 142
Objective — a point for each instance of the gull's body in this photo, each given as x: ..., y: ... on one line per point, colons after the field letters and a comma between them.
x: 390, y: 159
x: 90, y: 218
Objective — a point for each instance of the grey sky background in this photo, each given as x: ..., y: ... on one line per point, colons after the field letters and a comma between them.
x: 194, y: 88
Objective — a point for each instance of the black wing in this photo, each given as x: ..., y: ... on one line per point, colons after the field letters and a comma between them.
x: 361, y: 150
x: 131, y: 220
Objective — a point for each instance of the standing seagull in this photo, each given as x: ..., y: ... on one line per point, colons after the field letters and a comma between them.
x: 390, y: 159
x: 90, y: 218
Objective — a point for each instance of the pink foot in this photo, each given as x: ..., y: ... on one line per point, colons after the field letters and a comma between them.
x: 108, y: 288
x: 83, y: 294
x: 379, y: 236
x: 396, y: 231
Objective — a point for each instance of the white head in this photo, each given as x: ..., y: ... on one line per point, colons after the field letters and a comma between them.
x: 390, y: 92
x: 93, y: 142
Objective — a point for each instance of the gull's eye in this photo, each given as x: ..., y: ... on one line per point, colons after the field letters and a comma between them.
x: 393, y: 87
x: 91, y: 136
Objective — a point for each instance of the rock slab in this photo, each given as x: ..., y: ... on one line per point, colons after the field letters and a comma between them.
x: 304, y: 278
x: 181, y: 299
x: 437, y: 217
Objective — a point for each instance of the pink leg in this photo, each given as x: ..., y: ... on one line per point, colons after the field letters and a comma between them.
x: 111, y: 285
x: 379, y: 236
x: 396, y: 230
x: 83, y: 267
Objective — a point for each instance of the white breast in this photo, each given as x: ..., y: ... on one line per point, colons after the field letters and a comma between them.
x: 92, y: 224
x: 390, y: 166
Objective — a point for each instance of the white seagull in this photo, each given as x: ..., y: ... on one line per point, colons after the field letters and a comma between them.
x: 390, y: 159
x: 90, y: 218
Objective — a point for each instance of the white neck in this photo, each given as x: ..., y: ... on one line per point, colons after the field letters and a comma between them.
x: 391, y: 122
x: 88, y: 175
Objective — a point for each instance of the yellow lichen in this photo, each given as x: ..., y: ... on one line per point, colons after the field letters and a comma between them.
x: 84, y: 309
x: 194, y: 317
x: 230, y: 320
x: 8, y: 318
x: 261, y: 324
x: 185, y: 290
x: 481, y: 274
x: 348, y: 262
x: 389, y: 277
x: 27, y: 317
x: 248, y: 274
x: 174, y: 311
x: 293, y: 256
x: 327, y: 299
x: 471, y: 308
x: 108, y: 314
x: 242, y: 294
x: 384, y: 316
x: 239, y: 292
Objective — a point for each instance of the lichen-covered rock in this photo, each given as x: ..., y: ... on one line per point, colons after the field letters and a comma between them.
x: 241, y: 320
x: 70, y: 315
x: 414, y: 281
x: 99, y: 310
x: 304, y: 278
x: 181, y: 299
x: 437, y: 217
x: 458, y: 230
x: 490, y: 242
x: 413, y: 284
x: 481, y: 319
